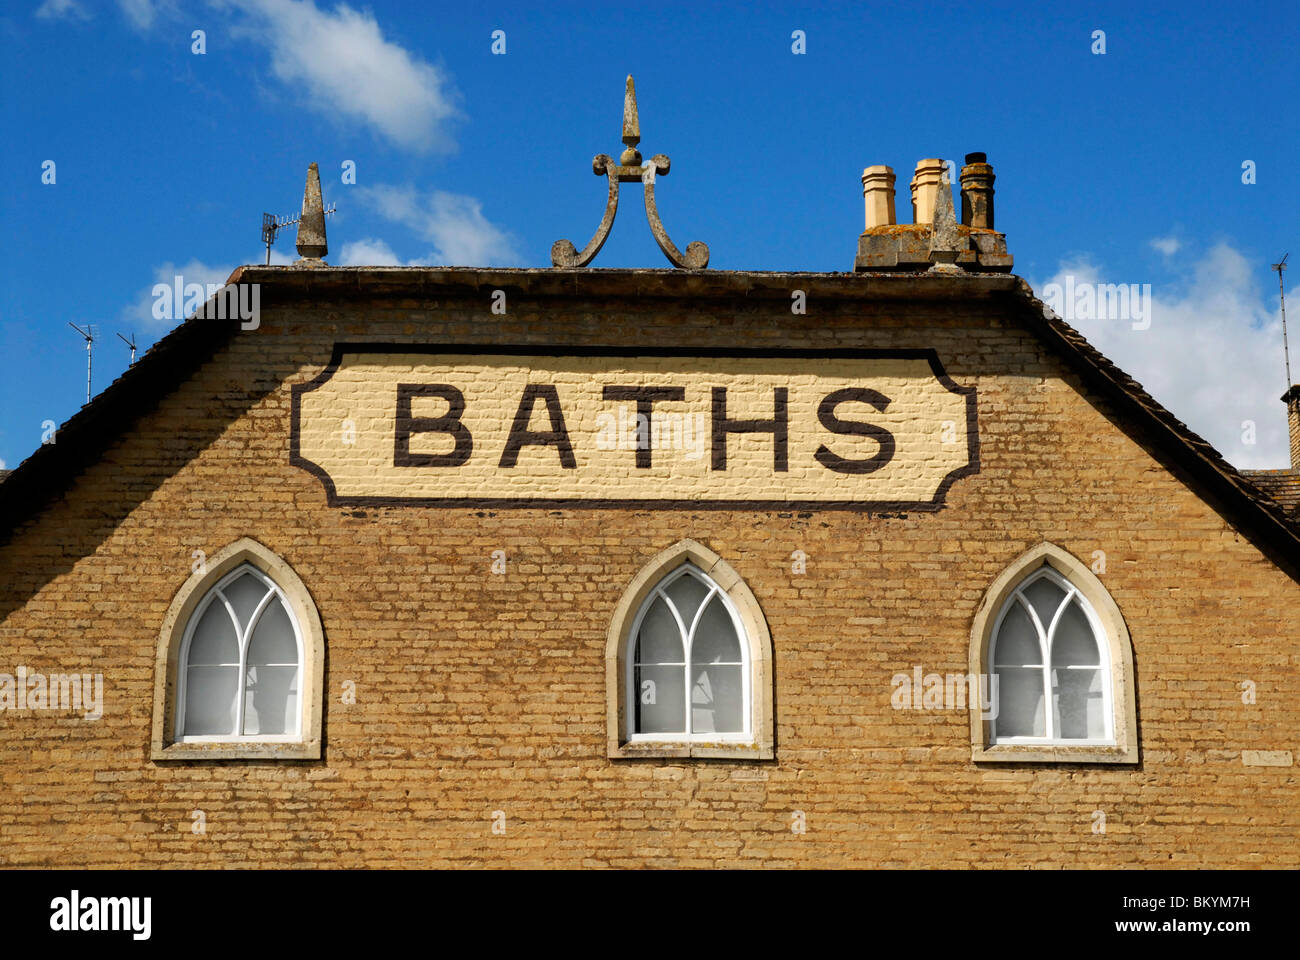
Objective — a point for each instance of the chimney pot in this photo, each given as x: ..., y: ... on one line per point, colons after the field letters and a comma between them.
x: 878, y: 195
x: 977, y: 192
x: 925, y: 186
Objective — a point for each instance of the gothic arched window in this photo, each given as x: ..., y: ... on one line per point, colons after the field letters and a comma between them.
x: 1056, y: 666
x: 240, y: 662
x: 689, y: 662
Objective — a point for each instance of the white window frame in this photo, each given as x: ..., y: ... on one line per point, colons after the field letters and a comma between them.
x: 1046, y: 638
x: 746, y: 735
x: 216, y: 593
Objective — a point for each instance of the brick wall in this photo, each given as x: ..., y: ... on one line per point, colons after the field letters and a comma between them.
x: 1293, y: 426
x: 477, y: 692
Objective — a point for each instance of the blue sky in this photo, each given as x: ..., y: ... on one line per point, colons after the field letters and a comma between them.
x: 1122, y: 167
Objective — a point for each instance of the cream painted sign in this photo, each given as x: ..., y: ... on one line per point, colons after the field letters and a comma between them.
x: 607, y: 427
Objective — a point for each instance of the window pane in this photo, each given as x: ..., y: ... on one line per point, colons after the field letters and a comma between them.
x: 1046, y: 598
x: 1017, y: 640
x: 273, y: 640
x: 271, y: 701
x: 717, y: 700
x: 659, y: 640
x: 1020, y: 702
x: 210, y: 700
x: 1074, y: 643
x: 214, y: 639
x: 715, y: 638
x: 660, y: 694
x: 687, y: 593
x: 1077, y: 704
x: 244, y: 594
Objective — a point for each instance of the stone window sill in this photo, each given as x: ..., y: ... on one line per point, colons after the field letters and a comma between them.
x: 699, y: 750
x: 1053, y: 753
x: 309, y: 750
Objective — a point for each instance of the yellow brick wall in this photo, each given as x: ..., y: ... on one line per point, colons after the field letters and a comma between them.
x: 478, y: 692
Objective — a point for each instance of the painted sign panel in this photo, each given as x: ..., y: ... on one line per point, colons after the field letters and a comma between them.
x: 458, y: 425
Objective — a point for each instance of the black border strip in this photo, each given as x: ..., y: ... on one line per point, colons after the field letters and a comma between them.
x: 921, y: 353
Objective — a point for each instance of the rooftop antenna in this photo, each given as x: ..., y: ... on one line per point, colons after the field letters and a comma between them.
x: 130, y: 343
x: 1281, y: 292
x: 271, y: 225
x: 89, y: 335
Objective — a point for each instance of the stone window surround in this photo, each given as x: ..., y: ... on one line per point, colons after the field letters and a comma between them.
x: 1116, y: 636
x: 244, y: 551
x: 756, y: 636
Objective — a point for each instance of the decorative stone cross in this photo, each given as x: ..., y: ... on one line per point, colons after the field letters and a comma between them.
x: 628, y: 170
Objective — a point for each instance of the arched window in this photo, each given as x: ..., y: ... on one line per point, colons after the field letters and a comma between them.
x: 1057, y: 666
x: 240, y: 662
x: 1053, y: 681
x: 689, y: 662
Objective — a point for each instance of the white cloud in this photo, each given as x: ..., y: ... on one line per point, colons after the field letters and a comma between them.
x: 60, y: 10
x: 2, y: 465
x: 341, y: 65
x: 138, y: 315
x: 369, y: 253
x: 143, y: 13
x: 1212, y: 354
x: 452, y: 222
x: 1167, y: 245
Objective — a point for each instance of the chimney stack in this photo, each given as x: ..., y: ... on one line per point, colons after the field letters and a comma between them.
x: 878, y: 195
x: 1292, y: 400
x: 934, y: 241
x: 977, y: 191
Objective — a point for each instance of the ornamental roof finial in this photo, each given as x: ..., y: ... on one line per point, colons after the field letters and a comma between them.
x: 628, y: 170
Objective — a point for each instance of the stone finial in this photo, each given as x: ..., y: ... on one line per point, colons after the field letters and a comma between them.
x: 311, y: 227
x: 925, y: 184
x: 631, y: 157
x: 977, y: 191
x: 878, y: 195
x: 630, y: 169
x: 945, y: 241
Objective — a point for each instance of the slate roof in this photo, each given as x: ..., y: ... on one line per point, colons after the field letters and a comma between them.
x: 1283, y: 486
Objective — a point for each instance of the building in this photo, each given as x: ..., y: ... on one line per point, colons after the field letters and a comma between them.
x: 1284, y: 485
x: 580, y: 567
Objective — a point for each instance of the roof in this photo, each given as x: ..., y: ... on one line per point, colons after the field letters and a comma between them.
x: 1255, y: 513
x: 80, y: 441
x: 1283, y: 486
